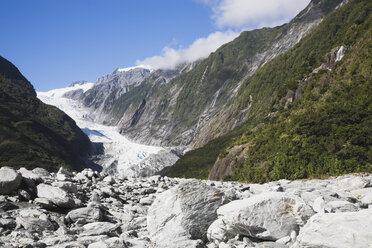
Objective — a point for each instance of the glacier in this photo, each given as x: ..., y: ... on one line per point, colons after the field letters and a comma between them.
x: 126, y: 157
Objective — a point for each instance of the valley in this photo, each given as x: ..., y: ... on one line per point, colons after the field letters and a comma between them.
x: 118, y: 154
x: 264, y: 143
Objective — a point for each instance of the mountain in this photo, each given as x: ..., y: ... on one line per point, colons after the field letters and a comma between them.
x: 305, y: 113
x: 109, y: 88
x: 114, y: 152
x: 33, y: 134
x: 182, y: 107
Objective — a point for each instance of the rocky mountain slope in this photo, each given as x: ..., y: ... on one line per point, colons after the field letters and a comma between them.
x: 109, y: 88
x: 305, y: 113
x: 89, y: 209
x: 179, y: 107
x: 33, y: 134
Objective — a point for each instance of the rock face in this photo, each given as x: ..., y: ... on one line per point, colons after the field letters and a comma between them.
x: 337, y: 230
x: 183, y: 214
x: 108, y: 89
x: 9, y: 180
x: 94, y: 209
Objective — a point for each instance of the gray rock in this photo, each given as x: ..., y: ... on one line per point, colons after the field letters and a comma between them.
x: 337, y: 230
x: 45, y: 203
x: 10, y: 180
x: 99, y: 228
x: 147, y: 200
x: 84, y: 215
x: 58, y: 196
x: 34, y: 220
x: 66, y: 186
x: 8, y: 223
x: 271, y: 245
x: 6, y: 206
x: 181, y: 215
x: 340, y: 206
x: 58, y: 241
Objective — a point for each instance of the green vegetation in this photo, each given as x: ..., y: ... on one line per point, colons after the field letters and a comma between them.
x: 197, y: 163
x: 33, y: 134
x: 327, y: 131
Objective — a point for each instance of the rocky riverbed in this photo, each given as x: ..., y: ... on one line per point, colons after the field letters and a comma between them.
x: 89, y: 209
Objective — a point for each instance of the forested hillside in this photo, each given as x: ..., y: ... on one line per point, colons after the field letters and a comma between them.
x: 33, y: 134
x: 309, y: 112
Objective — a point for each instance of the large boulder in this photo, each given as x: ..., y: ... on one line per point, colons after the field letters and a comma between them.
x: 269, y: 217
x: 57, y: 196
x: 85, y: 215
x: 180, y: 217
x: 43, y: 173
x: 30, y: 175
x: 337, y: 230
x: 10, y: 180
x: 35, y: 220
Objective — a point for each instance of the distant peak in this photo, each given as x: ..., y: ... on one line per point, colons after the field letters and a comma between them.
x: 80, y: 82
x: 132, y: 68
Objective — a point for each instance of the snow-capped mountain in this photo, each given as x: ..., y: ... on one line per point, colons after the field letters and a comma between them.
x: 109, y: 88
x: 118, y: 154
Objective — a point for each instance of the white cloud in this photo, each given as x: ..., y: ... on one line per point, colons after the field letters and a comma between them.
x: 254, y: 13
x: 200, y: 48
x: 228, y: 14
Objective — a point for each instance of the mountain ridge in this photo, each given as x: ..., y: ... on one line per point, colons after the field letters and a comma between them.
x: 33, y: 134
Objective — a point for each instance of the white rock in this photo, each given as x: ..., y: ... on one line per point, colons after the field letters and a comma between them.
x: 109, y: 180
x: 348, y: 183
x: 284, y: 240
x: 181, y: 215
x: 80, y: 177
x: 66, y: 186
x: 56, y: 195
x: 319, y: 205
x: 10, y: 180
x: 63, y: 174
x: 363, y: 195
x: 367, y: 199
x: 30, y: 175
x: 337, y: 230
x: 41, y: 172
x: 99, y: 244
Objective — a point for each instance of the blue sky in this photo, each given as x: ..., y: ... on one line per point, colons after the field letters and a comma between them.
x: 56, y: 42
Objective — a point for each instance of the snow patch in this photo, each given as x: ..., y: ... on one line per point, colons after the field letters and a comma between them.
x: 132, y: 68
